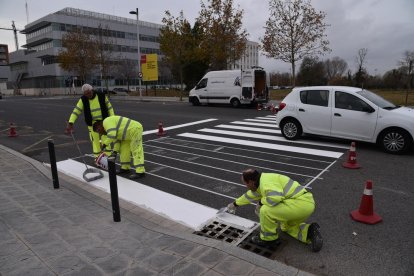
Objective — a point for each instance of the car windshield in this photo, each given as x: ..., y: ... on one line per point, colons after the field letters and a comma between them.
x: 376, y: 99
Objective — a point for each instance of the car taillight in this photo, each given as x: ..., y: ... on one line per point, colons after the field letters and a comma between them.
x: 281, y: 106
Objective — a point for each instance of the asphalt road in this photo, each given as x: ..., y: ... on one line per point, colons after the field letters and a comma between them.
x: 202, y: 161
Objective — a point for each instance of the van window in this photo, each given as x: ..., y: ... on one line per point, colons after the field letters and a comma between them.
x: 314, y: 97
x: 201, y: 84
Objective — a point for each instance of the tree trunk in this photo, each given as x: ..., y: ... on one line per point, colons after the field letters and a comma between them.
x: 293, y: 74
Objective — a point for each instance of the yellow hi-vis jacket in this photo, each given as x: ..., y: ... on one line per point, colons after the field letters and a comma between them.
x: 273, y: 189
x: 118, y: 129
x: 95, y: 108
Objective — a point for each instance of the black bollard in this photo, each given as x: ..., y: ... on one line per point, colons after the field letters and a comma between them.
x: 114, y: 189
x: 53, y: 166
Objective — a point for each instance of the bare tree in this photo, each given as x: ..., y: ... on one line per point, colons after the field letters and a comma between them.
x: 335, y: 68
x: 79, y: 54
x: 104, y: 45
x: 361, y: 73
x: 407, y: 64
x: 126, y: 69
x: 294, y: 30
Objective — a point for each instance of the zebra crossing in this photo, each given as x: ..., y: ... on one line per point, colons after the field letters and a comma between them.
x: 206, y: 162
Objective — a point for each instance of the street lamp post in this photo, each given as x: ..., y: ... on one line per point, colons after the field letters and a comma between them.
x: 139, y: 54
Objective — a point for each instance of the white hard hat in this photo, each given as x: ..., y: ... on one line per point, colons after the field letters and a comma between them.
x: 86, y: 87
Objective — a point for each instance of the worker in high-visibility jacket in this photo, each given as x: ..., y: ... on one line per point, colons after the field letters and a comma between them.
x: 126, y: 135
x: 282, y: 202
x: 95, y: 106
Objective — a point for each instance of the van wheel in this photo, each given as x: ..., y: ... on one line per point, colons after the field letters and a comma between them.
x: 195, y: 101
x: 235, y: 103
x: 291, y: 129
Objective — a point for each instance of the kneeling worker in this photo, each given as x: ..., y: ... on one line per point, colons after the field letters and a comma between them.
x: 126, y: 135
x: 281, y: 201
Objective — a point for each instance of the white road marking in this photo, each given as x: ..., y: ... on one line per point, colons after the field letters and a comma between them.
x: 264, y: 130
x: 241, y: 156
x: 316, y: 177
x: 199, y: 174
x: 179, y: 126
x: 186, y: 212
x: 264, y: 145
x: 269, y: 121
x: 269, y: 137
x: 35, y: 144
x: 243, y: 149
x: 219, y: 159
x: 254, y: 124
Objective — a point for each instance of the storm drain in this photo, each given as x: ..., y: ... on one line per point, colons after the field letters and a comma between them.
x: 235, y: 235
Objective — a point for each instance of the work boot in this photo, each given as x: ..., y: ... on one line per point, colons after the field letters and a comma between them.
x: 135, y: 175
x: 122, y: 171
x: 269, y: 244
x: 314, y: 235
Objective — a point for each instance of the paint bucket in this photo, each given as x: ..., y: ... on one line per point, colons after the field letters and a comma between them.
x: 102, y: 161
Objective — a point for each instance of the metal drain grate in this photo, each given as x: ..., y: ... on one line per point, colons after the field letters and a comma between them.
x: 222, y: 231
x: 234, y: 235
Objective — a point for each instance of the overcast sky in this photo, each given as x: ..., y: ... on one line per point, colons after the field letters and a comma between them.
x: 384, y: 27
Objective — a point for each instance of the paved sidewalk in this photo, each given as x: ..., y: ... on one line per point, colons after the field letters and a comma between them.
x: 70, y: 231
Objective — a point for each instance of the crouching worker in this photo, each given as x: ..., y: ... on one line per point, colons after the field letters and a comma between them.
x: 126, y: 137
x: 281, y: 202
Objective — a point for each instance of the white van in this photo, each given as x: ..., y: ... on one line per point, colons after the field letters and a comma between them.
x: 233, y: 87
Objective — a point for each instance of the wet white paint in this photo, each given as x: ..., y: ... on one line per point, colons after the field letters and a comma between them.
x: 180, y: 210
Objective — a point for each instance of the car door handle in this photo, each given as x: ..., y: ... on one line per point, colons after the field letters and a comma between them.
x: 301, y: 109
x: 337, y: 115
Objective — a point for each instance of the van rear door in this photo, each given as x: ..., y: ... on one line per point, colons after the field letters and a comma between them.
x: 247, y: 84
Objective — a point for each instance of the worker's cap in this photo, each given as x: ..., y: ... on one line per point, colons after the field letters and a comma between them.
x: 86, y: 87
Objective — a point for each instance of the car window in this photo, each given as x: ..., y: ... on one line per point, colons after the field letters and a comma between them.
x: 315, y: 97
x: 202, y: 84
x: 347, y: 101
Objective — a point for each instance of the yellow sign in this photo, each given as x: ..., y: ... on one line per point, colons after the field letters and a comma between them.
x: 149, y: 65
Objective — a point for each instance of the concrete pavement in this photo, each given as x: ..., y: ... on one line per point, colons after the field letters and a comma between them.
x: 70, y: 231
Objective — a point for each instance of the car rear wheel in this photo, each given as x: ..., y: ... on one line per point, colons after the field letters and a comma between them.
x: 291, y: 129
x: 396, y: 141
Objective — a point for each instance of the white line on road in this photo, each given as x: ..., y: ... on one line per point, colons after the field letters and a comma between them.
x: 240, y: 156
x: 316, y: 177
x: 267, y: 121
x: 199, y: 174
x: 37, y: 143
x: 219, y: 159
x: 254, y: 124
x: 316, y: 152
x: 269, y: 137
x: 243, y: 149
x: 179, y: 126
x: 265, y: 130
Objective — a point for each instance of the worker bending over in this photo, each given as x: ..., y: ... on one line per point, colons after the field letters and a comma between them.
x: 126, y: 136
x: 281, y: 202
x: 95, y: 106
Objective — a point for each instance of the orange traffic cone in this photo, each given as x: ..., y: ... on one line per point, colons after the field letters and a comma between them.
x: 258, y: 107
x: 12, y: 130
x: 365, y: 213
x: 351, y: 163
x: 161, y: 131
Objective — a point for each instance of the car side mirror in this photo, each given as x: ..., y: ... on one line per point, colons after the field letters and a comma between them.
x: 368, y: 109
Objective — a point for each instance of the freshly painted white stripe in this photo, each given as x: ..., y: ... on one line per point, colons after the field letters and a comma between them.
x: 275, y: 131
x: 172, y: 207
x: 264, y: 145
x: 269, y: 137
x: 316, y: 177
x: 199, y: 174
x: 254, y: 124
x: 270, y: 122
x: 224, y: 160
x: 265, y: 118
x: 178, y: 126
x: 217, y: 150
x: 244, y: 149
